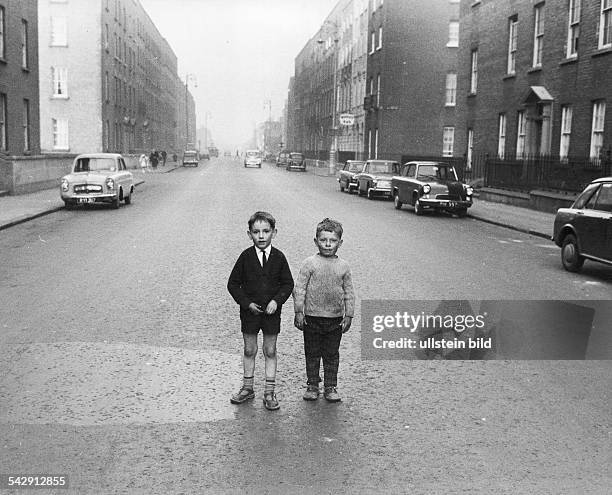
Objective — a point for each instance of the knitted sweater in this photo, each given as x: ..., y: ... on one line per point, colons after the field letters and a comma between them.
x: 324, y: 287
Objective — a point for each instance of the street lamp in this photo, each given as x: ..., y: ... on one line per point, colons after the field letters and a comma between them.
x: 334, y: 144
x: 195, y: 84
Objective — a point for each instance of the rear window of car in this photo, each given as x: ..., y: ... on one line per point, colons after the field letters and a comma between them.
x: 384, y: 167
x: 93, y: 164
x: 297, y: 156
x: 355, y: 167
x: 252, y: 154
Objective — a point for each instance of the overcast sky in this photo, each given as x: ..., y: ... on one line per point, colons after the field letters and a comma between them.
x: 241, y: 52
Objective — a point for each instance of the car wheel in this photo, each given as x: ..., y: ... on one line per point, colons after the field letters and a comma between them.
x: 69, y: 204
x: 359, y: 192
x: 370, y: 194
x: 396, y: 201
x: 461, y: 212
x: 418, y: 207
x: 128, y: 199
x: 570, y: 256
x: 341, y: 187
x: 115, y: 204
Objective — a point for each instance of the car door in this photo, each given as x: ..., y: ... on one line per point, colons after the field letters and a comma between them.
x: 587, y: 223
x: 602, y: 223
x: 409, y: 184
x: 362, y: 178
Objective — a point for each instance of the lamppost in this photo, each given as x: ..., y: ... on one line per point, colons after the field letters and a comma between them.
x: 195, y: 84
x: 334, y: 142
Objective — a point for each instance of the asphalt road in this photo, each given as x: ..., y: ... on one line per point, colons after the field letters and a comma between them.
x: 120, y: 347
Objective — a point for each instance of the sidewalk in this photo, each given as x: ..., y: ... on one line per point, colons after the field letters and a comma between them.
x: 18, y: 209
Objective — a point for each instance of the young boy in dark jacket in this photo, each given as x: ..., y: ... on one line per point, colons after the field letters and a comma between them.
x: 260, y: 283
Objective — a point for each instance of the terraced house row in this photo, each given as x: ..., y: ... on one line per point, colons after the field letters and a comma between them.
x: 515, y: 92
x: 85, y: 76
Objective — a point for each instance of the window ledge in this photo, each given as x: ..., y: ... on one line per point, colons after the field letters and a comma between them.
x: 569, y: 60
x: 471, y: 95
x: 534, y: 69
x: 3, y: 60
x: 25, y: 69
x: 452, y: 45
x: 509, y: 76
x: 602, y: 51
x: 59, y: 97
x: 450, y: 105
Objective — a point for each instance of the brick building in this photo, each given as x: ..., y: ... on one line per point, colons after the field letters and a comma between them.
x: 411, y: 78
x: 108, y: 79
x: 534, y: 79
x: 19, y: 95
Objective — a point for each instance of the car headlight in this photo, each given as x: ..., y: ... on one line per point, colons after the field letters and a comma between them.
x: 469, y: 191
x: 110, y: 183
x: 426, y: 189
x: 374, y: 183
x: 65, y: 185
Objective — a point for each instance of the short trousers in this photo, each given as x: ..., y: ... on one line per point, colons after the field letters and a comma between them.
x: 322, y: 324
x: 268, y: 324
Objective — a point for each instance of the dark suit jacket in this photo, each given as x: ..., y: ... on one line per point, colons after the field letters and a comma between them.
x: 249, y: 282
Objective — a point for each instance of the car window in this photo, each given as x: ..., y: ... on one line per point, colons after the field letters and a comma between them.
x: 585, y: 196
x: 604, y: 199
x: 252, y: 153
x: 354, y: 167
x: 122, y: 164
x: 427, y: 172
x: 410, y: 171
x: 94, y: 164
x: 383, y: 168
x: 447, y: 173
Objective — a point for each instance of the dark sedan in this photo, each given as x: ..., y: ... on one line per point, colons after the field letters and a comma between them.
x: 584, y: 231
x: 375, y: 179
x: 296, y: 162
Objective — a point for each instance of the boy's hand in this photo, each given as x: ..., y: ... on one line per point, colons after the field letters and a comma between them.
x: 298, y: 321
x: 346, y: 323
x: 255, y: 308
x: 271, y: 308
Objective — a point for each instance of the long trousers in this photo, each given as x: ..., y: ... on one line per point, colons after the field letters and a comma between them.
x: 322, y: 338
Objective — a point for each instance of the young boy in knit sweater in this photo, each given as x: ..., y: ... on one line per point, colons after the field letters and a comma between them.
x: 324, y: 304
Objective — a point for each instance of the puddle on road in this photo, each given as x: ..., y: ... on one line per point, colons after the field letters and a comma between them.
x: 91, y: 383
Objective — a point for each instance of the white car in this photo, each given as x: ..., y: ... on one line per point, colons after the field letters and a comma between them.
x: 252, y: 158
x: 97, y: 178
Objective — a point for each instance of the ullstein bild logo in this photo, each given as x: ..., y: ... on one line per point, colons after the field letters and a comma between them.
x: 453, y: 329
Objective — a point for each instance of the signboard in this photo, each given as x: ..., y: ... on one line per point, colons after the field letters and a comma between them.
x: 347, y: 119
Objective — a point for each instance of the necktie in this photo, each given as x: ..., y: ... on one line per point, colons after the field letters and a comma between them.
x: 263, y: 259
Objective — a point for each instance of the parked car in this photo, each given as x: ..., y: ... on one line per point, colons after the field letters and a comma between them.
x: 296, y: 161
x: 204, y: 155
x: 252, y: 158
x: 97, y: 178
x: 584, y: 231
x: 212, y: 151
x: 281, y: 159
x: 375, y: 178
x: 348, y: 175
x: 191, y: 158
x: 227, y: 153
x: 431, y: 186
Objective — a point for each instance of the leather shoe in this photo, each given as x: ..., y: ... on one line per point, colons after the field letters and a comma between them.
x: 270, y: 402
x: 242, y: 395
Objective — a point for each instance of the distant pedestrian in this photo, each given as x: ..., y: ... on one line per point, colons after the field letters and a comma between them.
x: 164, y: 155
x: 324, y: 304
x: 174, y: 157
x: 143, y: 162
x: 153, y: 159
x: 260, y: 283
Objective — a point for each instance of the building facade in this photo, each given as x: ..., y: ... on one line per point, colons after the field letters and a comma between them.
x: 19, y: 94
x: 108, y: 79
x: 535, y: 79
x: 411, y: 78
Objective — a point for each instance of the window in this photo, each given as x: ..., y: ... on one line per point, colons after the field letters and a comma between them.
x: 369, y: 143
x: 448, y: 141
x: 521, y: 131
x: 2, y: 33
x: 605, y: 24
x: 451, y: 90
x: 373, y: 42
x: 106, y: 37
x: 3, y: 126
x: 59, y: 31
x: 566, y: 130
x: 573, y: 30
x: 376, y: 143
x: 501, y: 136
x: 474, y: 72
x: 60, y: 134
x: 512, y: 44
x: 379, y: 46
x: 26, y: 124
x: 378, y: 90
x: 106, y: 88
x: 25, y: 57
x: 538, y: 35
x: 60, y: 82
x: 470, y: 150
x: 597, y: 130
x: 106, y: 135
x: 453, y: 33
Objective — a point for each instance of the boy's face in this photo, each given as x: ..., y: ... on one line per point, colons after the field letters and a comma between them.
x: 261, y: 234
x: 328, y: 243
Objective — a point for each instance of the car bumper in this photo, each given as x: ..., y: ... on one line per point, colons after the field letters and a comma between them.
x: 380, y: 191
x: 301, y: 168
x: 88, y: 198
x: 444, y: 204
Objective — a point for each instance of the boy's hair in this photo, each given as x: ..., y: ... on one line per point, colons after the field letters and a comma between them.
x: 262, y: 216
x: 329, y: 225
